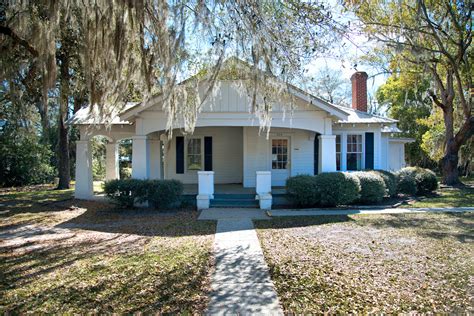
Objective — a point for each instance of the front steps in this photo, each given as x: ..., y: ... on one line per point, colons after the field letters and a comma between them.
x: 233, y: 201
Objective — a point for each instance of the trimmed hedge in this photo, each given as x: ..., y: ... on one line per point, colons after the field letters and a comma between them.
x: 390, y: 180
x: 373, y: 187
x: 125, y: 192
x: 337, y: 188
x: 416, y: 181
x: 302, y: 190
x: 159, y: 193
x: 164, y: 193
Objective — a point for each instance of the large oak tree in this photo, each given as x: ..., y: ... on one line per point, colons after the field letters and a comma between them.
x: 431, y: 37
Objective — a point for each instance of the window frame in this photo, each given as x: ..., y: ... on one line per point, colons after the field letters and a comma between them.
x: 288, y: 153
x: 186, y: 153
x: 361, y: 152
x: 339, y: 152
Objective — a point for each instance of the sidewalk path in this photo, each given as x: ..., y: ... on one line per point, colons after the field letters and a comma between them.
x: 241, y: 283
x: 315, y: 212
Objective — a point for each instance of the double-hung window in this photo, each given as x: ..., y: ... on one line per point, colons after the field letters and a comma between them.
x: 194, y: 154
x: 354, y: 152
x: 338, y: 152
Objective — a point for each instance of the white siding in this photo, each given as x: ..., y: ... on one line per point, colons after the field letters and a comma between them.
x: 384, y: 152
x: 227, y: 155
x: 397, y: 155
x: 344, y: 130
x: 258, y: 157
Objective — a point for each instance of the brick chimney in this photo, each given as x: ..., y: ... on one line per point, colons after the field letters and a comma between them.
x: 359, y: 91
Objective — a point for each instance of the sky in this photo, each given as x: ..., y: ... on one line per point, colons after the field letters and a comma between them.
x: 356, y: 45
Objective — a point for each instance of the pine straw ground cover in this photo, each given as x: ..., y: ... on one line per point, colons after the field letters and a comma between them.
x: 372, y: 263
x: 72, y: 257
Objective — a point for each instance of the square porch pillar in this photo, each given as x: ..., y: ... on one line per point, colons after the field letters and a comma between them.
x: 140, y: 157
x: 155, y: 158
x: 111, y: 161
x: 84, y: 187
x: 327, y: 153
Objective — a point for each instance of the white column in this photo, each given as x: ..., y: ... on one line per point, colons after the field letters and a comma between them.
x: 327, y: 153
x: 165, y: 141
x: 84, y: 187
x: 140, y: 158
x: 264, y: 182
x: 264, y: 189
x: 205, y: 189
x: 206, y: 183
x: 155, y: 158
x: 111, y: 161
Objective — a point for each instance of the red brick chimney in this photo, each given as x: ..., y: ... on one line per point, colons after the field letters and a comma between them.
x: 359, y: 91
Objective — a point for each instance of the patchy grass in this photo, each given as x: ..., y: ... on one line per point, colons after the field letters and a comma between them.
x: 58, y: 255
x: 447, y: 197
x: 422, y: 263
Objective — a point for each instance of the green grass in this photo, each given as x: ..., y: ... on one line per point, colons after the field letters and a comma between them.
x: 413, y: 263
x: 61, y: 256
x: 447, y: 197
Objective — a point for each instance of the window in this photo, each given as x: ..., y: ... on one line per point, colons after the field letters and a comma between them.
x: 354, y: 152
x: 338, y: 152
x: 279, y: 153
x: 194, y: 154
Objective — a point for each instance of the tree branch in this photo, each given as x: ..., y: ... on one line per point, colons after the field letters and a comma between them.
x: 9, y: 32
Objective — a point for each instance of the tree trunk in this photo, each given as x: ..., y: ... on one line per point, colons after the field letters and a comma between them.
x: 63, y: 150
x: 449, y: 167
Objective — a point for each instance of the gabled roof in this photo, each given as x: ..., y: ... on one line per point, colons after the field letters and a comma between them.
x: 344, y: 114
x: 84, y: 116
x: 297, y: 92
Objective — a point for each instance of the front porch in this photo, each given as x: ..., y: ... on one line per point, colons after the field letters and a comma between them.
x: 231, y: 188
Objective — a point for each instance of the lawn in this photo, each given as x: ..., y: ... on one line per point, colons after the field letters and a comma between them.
x: 447, y: 197
x: 372, y: 263
x: 59, y: 255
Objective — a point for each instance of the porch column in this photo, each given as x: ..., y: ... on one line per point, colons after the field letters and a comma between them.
x: 205, y: 189
x: 84, y: 188
x: 140, y: 157
x: 155, y: 158
x: 111, y: 161
x: 327, y: 153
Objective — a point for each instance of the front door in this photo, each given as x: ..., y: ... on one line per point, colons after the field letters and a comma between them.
x: 280, y: 160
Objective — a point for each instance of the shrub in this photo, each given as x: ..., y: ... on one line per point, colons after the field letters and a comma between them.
x: 390, y: 180
x: 164, y: 193
x: 159, y: 193
x: 406, y: 183
x: 337, y: 188
x: 373, y: 187
x: 125, y: 192
x: 423, y: 180
x: 302, y: 190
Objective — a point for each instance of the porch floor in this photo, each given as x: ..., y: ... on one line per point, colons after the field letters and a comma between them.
x: 234, y: 188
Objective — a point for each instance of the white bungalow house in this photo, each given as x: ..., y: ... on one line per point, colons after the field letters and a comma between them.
x: 227, y: 148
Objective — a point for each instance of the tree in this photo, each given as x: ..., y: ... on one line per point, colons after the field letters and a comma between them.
x: 23, y: 159
x: 405, y: 98
x: 433, y: 37
x: 330, y: 85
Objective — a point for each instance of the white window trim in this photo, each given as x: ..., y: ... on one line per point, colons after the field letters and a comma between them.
x: 186, y: 139
x: 344, y: 135
x: 341, y: 152
x: 362, y: 163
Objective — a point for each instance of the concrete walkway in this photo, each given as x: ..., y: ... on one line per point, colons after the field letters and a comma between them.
x: 241, y: 283
x: 316, y: 212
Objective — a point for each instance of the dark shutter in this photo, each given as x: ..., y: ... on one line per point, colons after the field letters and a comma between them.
x: 207, y: 153
x: 179, y: 154
x: 369, y: 150
x: 316, y: 154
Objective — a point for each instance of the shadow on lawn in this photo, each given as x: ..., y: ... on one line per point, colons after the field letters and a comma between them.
x: 141, y: 222
x: 459, y: 226
x: 301, y: 221
x: 80, y: 286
